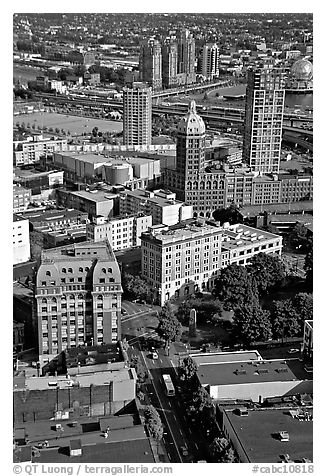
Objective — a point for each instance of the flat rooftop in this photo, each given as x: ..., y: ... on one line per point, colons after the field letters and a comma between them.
x: 256, y: 435
x: 305, y: 219
x: 183, y: 232
x: 33, y: 173
x: 253, y: 210
x: 49, y: 215
x: 160, y: 201
x: 18, y: 218
x: 78, y: 252
x: 241, y: 372
x: 95, y: 195
x: 131, y: 451
x: 240, y: 234
x: 127, y: 440
x: 223, y: 357
x: 78, y: 380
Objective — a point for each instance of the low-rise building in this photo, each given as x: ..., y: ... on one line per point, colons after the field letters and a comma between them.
x: 99, y: 439
x: 161, y: 204
x: 179, y: 260
x: 21, y: 198
x: 122, y: 232
x: 78, y: 296
x: 31, y: 150
x: 185, y: 258
x: 40, y: 183
x: 254, y: 380
x: 94, y: 202
x: 126, y: 169
x: 241, y: 242
x: 255, y: 215
x: 51, y: 398
x: 58, y: 86
x: 256, y: 434
x: 21, y: 244
x: 58, y: 227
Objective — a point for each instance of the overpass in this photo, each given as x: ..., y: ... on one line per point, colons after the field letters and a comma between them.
x: 219, y: 113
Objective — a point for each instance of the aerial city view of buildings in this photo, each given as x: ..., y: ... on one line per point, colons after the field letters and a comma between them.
x: 162, y: 238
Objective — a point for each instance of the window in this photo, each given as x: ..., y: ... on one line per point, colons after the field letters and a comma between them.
x: 69, y: 270
x: 48, y: 273
x: 80, y: 270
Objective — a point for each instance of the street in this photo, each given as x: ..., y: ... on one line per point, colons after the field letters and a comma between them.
x: 177, y: 429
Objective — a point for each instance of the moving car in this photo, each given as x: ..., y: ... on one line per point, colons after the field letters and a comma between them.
x: 184, y: 451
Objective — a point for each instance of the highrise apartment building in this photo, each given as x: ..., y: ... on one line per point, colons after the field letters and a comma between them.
x: 137, y: 114
x: 186, y: 56
x: 263, y: 119
x: 150, y: 63
x: 78, y: 296
x: 210, y: 61
x: 169, y: 63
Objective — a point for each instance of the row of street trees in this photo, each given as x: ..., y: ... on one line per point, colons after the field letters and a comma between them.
x: 201, y: 410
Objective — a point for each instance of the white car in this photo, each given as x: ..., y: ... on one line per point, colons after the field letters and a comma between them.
x: 293, y: 351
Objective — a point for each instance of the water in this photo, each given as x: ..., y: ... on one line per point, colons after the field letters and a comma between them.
x: 291, y: 100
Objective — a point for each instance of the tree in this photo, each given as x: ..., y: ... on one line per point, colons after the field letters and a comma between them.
x: 285, y: 320
x: 308, y: 264
x: 136, y: 287
x: 188, y: 369
x: 221, y: 451
x: 298, y: 236
x: 267, y: 271
x: 303, y: 303
x: 229, y: 214
x: 169, y: 328
x: 200, y: 405
x: 251, y: 323
x: 153, y: 423
x: 235, y: 288
x: 140, y: 369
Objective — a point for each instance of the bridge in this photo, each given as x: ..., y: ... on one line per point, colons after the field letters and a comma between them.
x: 185, y: 89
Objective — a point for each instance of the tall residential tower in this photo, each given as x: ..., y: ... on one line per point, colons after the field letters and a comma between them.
x: 263, y: 119
x: 137, y: 114
x: 186, y: 57
x: 150, y: 63
x: 210, y: 61
x: 169, y: 63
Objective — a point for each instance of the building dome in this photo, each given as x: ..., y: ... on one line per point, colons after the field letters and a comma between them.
x: 302, y: 70
x: 191, y: 123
